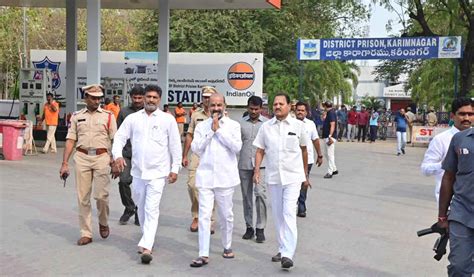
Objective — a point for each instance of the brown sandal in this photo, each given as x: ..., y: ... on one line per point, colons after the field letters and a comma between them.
x: 104, y: 231
x: 84, y: 241
x: 228, y: 254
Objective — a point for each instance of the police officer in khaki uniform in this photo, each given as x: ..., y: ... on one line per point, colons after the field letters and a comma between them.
x: 91, y: 132
x: 198, y: 116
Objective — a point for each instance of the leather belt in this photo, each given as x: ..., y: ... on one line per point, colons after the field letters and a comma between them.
x: 92, y: 151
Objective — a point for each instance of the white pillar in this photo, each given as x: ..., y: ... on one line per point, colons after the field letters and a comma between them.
x: 163, y: 48
x: 93, y: 41
x: 71, y: 55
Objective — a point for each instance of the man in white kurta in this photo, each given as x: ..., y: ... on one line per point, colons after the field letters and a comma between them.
x: 156, y: 160
x: 217, y: 141
x: 283, y: 140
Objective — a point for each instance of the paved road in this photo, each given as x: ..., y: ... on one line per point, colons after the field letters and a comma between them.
x: 363, y: 222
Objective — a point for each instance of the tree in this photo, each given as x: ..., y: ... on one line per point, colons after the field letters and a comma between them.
x: 436, y: 18
x: 46, y: 30
x: 272, y: 32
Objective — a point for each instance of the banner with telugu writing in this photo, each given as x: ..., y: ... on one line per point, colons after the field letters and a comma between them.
x: 379, y: 48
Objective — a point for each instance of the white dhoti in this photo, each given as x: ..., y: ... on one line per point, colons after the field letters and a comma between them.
x: 147, y: 196
x: 225, y: 216
x: 284, y: 205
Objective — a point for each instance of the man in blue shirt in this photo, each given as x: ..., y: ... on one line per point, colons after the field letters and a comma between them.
x: 401, y: 124
x: 341, y: 121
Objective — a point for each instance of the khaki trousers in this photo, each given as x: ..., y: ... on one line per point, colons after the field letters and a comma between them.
x: 192, y: 190
x: 181, y: 129
x: 92, y: 169
x: 50, y: 139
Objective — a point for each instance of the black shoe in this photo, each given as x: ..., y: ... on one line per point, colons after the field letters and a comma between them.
x: 277, y: 257
x: 249, y: 233
x: 335, y: 172
x: 125, y: 218
x: 403, y: 151
x: 398, y: 154
x: 327, y: 176
x: 137, y: 222
x: 302, y: 214
x: 146, y: 258
x: 260, y: 235
x: 286, y: 262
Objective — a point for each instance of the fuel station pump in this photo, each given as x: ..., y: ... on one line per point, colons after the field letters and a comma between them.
x: 35, y: 84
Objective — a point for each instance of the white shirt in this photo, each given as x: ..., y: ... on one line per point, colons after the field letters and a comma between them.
x: 218, y: 153
x: 156, y: 144
x: 434, y: 156
x: 312, y: 133
x: 281, y: 141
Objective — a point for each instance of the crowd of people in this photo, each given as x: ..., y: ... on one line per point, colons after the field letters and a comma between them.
x: 143, y: 146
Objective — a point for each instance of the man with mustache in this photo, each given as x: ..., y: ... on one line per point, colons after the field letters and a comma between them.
x: 457, y: 195
x: 217, y: 142
x: 137, y: 95
x: 156, y: 160
x: 312, y: 133
x: 436, y: 152
x: 249, y: 126
x: 199, y: 116
x: 91, y: 133
x: 283, y: 140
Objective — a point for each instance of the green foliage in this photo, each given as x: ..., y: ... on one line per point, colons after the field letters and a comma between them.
x: 371, y: 102
x: 432, y: 83
x: 272, y: 32
x: 434, y: 18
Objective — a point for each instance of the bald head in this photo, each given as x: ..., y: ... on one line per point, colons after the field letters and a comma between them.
x: 217, y: 104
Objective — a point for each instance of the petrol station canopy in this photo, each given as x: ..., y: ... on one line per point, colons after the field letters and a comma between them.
x: 151, y: 4
x: 94, y: 31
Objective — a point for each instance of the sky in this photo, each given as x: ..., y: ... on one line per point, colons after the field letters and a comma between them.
x: 378, y: 20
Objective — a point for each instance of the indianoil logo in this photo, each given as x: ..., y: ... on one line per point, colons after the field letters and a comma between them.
x: 241, y: 75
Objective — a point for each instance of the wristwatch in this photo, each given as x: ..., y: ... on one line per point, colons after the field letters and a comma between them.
x: 320, y: 157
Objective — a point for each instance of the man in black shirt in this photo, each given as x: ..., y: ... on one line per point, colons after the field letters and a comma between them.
x: 329, y: 137
x: 137, y: 96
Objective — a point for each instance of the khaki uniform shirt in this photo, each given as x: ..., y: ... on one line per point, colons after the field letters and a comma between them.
x: 92, y: 129
x: 197, y: 117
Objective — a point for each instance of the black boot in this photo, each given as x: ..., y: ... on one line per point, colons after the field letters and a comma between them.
x: 260, y: 235
x: 249, y: 233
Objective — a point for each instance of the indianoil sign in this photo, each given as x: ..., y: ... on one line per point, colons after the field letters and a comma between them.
x: 236, y: 75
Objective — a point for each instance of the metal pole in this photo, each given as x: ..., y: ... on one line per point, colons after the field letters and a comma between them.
x: 300, y: 90
x: 456, y: 63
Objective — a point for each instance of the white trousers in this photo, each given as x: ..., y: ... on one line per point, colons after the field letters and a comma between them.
x: 284, y: 204
x: 225, y: 216
x: 351, y: 131
x: 147, y: 196
x: 401, y: 141
x: 50, y: 139
x: 330, y: 156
